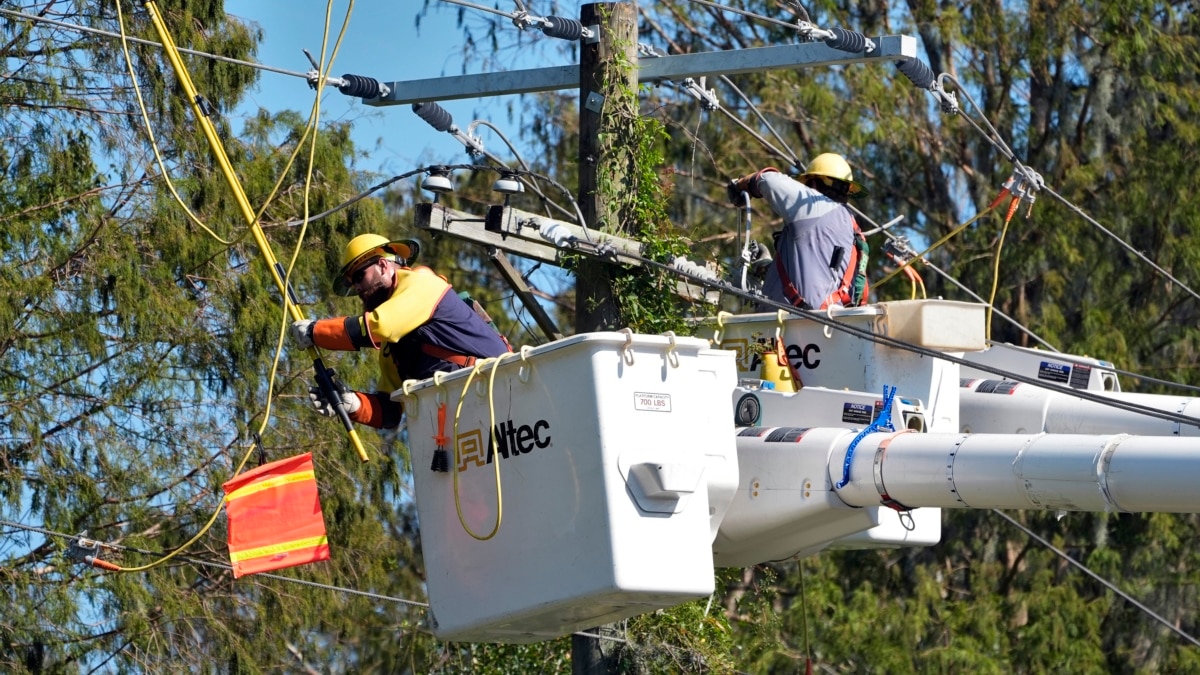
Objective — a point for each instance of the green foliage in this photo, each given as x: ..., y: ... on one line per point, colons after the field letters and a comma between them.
x: 136, y: 349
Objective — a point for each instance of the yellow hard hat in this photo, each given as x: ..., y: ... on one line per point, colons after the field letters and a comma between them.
x: 830, y: 165
x: 365, y: 246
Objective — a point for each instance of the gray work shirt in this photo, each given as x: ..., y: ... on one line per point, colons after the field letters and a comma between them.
x: 815, y: 228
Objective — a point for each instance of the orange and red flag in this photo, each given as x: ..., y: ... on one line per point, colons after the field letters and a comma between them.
x: 275, y: 517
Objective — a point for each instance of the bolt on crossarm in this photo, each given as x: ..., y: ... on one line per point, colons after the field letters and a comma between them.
x: 203, y: 110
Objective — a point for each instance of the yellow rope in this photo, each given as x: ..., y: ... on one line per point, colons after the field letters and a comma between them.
x: 936, y: 244
x: 223, y: 161
x: 492, y: 448
x: 137, y: 90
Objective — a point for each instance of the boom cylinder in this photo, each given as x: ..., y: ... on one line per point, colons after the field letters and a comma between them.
x: 1012, y: 471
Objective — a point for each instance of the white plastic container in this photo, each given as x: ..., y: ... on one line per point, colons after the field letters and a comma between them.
x: 617, y: 460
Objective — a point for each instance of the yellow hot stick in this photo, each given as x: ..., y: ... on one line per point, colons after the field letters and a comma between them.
x: 324, y: 378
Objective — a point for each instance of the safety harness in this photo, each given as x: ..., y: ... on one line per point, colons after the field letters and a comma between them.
x: 854, y: 287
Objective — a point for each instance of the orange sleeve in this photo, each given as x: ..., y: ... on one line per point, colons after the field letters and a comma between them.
x: 335, y: 333
x: 377, y: 410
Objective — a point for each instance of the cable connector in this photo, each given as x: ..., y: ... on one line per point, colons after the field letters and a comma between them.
x: 947, y: 99
x: 899, y: 249
x: 87, y: 551
x: 707, y: 97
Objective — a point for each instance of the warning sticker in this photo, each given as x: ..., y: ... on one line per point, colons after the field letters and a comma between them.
x: 753, y: 431
x: 785, y: 435
x: 857, y: 413
x: 1080, y: 376
x: 997, y: 387
x: 653, y: 402
x: 1054, y: 372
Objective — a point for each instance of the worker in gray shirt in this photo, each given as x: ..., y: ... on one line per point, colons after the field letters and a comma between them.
x: 820, y: 254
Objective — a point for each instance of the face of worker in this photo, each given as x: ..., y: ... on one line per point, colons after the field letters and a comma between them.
x: 372, y: 282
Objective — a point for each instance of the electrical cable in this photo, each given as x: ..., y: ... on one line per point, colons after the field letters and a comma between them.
x: 987, y: 330
x: 137, y: 90
x: 151, y: 43
x: 462, y: 519
x: 752, y: 15
x: 1008, y: 154
x: 821, y: 318
x: 218, y: 565
x: 1107, y: 584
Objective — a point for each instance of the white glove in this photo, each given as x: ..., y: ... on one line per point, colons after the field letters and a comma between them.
x: 302, y: 332
x: 349, y: 399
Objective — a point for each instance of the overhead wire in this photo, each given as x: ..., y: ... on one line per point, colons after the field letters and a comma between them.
x: 219, y: 565
x: 151, y: 43
x: 737, y: 10
x: 171, y: 48
x: 821, y: 318
x: 999, y: 144
x: 1106, y: 583
x: 1080, y: 212
x: 150, y: 134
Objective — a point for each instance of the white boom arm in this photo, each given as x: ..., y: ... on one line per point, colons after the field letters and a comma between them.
x: 787, y: 503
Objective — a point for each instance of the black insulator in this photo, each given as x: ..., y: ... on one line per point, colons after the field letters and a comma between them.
x: 357, y: 85
x: 917, y: 71
x: 435, y: 115
x: 567, y: 29
x: 847, y: 40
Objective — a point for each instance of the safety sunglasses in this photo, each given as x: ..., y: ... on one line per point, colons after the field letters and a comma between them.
x: 357, y: 275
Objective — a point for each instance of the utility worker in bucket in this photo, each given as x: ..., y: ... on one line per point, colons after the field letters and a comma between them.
x: 410, y: 314
x: 820, y: 254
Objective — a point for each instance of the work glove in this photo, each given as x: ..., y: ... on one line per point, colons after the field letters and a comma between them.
x: 737, y: 189
x: 325, y: 407
x: 302, y: 331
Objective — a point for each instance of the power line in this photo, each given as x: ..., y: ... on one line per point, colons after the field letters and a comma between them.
x: 223, y: 566
x: 1107, y: 584
x: 151, y: 43
x: 998, y: 143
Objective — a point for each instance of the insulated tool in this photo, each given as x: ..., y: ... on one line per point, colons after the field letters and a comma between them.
x: 203, y: 110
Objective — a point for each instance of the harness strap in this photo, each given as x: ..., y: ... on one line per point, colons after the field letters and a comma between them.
x: 444, y: 354
x: 842, y: 293
x: 439, y: 352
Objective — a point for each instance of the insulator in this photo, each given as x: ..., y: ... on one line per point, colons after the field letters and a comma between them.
x: 434, y: 114
x: 558, y: 27
x: 846, y: 40
x: 558, y: 234
x: 357, y: 85
x: 917, y: 71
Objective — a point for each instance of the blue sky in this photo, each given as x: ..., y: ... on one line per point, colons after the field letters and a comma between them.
x: 383, y: 42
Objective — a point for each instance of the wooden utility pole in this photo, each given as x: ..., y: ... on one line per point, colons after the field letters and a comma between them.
x: 595, y: 308
x: 599, y: 200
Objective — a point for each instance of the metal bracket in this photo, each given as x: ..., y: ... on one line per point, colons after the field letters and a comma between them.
x: 594, y: 102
